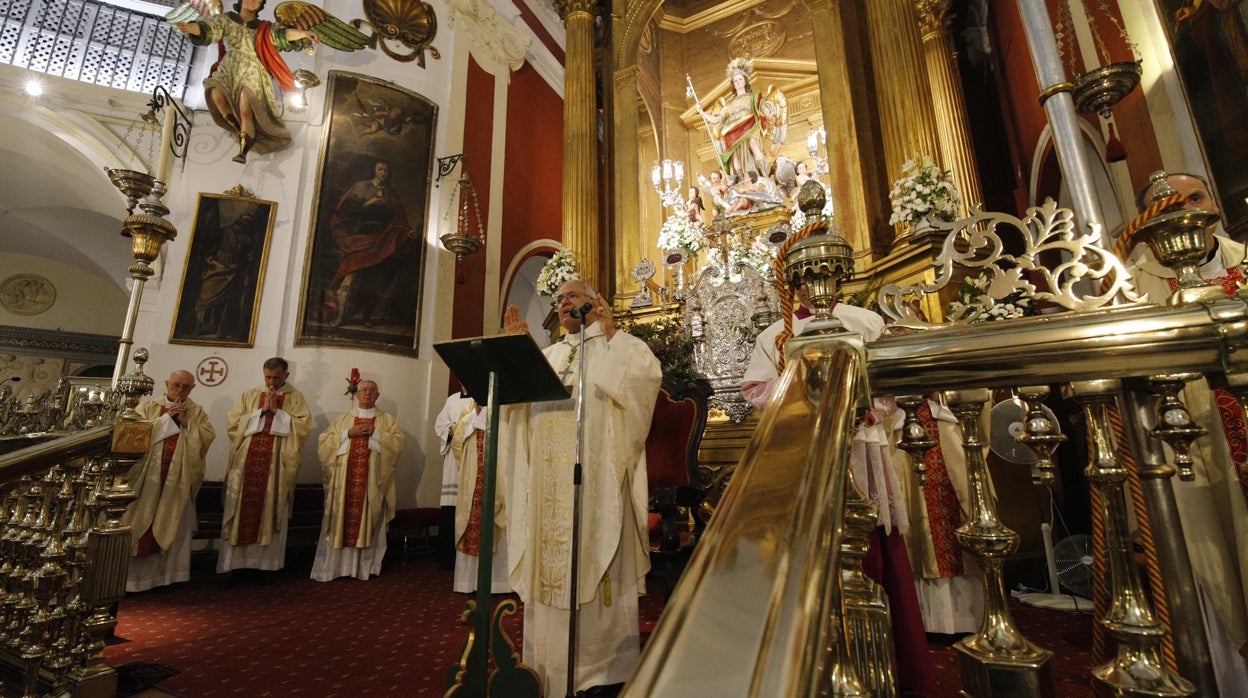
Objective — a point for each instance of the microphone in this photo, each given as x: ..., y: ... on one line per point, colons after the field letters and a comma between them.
x: 580, y: 312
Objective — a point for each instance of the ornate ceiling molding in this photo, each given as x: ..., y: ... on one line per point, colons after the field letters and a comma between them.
x: 74, y: 344
x: 497, y: 44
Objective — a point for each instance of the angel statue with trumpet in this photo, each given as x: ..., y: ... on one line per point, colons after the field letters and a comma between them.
x: 742, y: 120
x: 239, y: 90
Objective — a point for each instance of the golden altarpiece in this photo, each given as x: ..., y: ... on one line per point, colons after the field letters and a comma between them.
x: 877, y: 83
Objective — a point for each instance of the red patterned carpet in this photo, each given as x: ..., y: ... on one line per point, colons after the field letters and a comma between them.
x: 396, y: 635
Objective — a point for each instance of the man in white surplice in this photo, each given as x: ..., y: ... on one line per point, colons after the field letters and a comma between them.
x: 456, y: 406
x: 537, y: 453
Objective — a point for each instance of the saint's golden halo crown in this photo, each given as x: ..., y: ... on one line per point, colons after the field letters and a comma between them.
x: 744, y: 66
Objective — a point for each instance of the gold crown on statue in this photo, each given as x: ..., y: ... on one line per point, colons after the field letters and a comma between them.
x: 744, y: 66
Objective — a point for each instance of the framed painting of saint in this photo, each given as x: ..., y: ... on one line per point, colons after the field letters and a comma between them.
x: 363, y: 274
x: 1209, y: 41
x: 219, y: 300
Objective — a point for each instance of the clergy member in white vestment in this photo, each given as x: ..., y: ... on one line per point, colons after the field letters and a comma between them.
x: 267, y: 428
x: 1214, y: 507
x: 537, y: 454
x: 876, y: 476
x: 468, y: 447
x: 358, y: 452
x: 950, y: 587
x: 457, y: 404
x: 162, y: 518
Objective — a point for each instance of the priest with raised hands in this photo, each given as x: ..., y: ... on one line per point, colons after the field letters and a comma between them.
x: 162, y: 517
x: 537, y: 455
x: 267, y: 428
x: 359, y: 453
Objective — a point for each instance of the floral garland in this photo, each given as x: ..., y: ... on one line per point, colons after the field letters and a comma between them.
x: 678, y: 233
x: 924, y: 190
x: 559, y: 270
x: 993, y: 297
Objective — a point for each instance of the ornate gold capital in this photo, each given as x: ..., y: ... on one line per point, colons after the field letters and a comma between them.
x: 934, y: 16
x: 567, y: 8
x: 820, y: 5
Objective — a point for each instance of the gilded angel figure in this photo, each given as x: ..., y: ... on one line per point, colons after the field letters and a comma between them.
x: 240, y: 92
x: 743, y: 119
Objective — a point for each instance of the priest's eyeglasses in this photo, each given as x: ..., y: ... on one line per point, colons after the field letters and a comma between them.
x: 570, y: 295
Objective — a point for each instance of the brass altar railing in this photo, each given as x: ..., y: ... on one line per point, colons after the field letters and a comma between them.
x: 759, y: 580
x: 64, y: 552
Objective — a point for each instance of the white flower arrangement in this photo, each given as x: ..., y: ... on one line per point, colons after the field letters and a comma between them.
x: 679, y: 233
x: 924, y: 190
x: 559, y: 270
x: 756, y: 254
x: 1000, y: 296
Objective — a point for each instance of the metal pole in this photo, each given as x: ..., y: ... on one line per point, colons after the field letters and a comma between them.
x: 1059, y: 106
x: 1187, y: 626
x: 576, y: 510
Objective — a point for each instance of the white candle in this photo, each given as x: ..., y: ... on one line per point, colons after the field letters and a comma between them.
x: 654, y: 175
x: 667, y: 170
x: 680, y: 171
x: 166, y: 146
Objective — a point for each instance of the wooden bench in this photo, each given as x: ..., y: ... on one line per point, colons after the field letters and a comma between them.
x: 307, y: 510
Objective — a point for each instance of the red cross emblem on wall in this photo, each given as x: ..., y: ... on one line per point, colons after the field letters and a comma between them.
x: 212, y: 371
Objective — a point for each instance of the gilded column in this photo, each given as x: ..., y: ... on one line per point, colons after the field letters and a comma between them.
x: 580, y: 137
x: 627, y: 239
x: 853, y: 148
x: 950, y: 108
x: 908, y: 121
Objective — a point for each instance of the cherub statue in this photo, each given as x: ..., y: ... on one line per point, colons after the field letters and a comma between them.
x: 239, y: 90
x: 745, y: 117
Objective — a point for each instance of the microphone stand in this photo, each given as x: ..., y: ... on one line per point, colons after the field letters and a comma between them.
x: 576, y: 508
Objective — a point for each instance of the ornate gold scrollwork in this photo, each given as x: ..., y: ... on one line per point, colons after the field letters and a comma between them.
x: 412, y: 23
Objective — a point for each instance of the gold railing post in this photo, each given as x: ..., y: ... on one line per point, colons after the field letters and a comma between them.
x: 1137, y: 669
x: 108, y: 544
x: 998, y: 657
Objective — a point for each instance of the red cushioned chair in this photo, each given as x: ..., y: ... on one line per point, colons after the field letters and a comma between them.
x: 672, y: 469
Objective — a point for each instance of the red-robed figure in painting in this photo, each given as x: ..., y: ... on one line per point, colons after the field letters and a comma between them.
x: 370, y: 227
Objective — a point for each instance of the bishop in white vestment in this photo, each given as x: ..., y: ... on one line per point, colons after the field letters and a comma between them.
x: 537, y: 457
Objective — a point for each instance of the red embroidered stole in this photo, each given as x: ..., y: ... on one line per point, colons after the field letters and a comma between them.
x: 355, y: 498
x: 944, y: 515
x: 256, y: 472
x: 470, y: 544
x: 1229, y: 409
x: 147, y: 542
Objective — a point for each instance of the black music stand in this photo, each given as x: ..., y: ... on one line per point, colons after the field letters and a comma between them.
x: 501, y: 370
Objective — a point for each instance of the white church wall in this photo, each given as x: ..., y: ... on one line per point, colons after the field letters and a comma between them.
x: 83, y: 303
x: 289, y: 178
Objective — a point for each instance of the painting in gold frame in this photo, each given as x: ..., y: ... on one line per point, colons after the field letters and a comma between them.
x: 363, y: 275
x: 1209, y: 41
x: 219, y: 300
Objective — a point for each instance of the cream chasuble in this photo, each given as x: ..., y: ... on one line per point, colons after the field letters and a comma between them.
x: 537, y: 451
